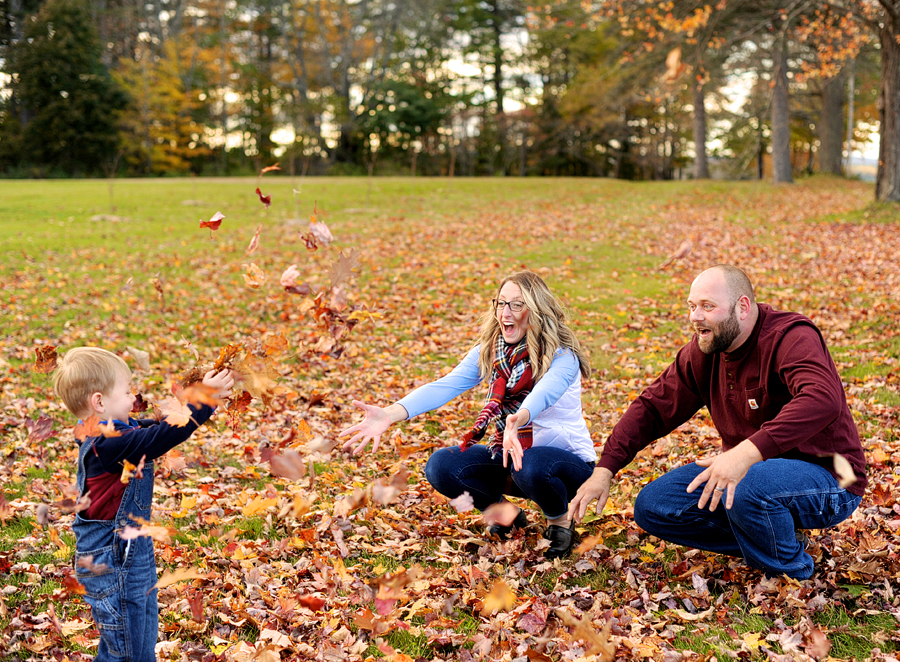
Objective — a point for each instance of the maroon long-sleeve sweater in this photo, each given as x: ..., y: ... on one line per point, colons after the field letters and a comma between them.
x: 780, y: 390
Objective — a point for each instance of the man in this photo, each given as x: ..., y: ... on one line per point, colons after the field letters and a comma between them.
x: 775, y: 397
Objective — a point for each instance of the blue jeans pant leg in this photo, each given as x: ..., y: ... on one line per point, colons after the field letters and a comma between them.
x: 550, y: 477
x: 452, y: 471
x: 775, y: 498
x: 140, y: 600
x: 665, y: 509
x: 104, y: 585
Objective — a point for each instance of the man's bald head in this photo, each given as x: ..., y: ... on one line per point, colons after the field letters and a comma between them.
x: 737, y: 283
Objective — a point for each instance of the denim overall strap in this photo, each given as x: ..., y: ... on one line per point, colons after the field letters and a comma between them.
x: 119, y: 575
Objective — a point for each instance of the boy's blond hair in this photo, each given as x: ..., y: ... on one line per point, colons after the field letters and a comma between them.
x: 84, y: 371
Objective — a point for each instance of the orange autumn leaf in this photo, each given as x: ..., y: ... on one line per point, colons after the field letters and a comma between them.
x: 45, y: 359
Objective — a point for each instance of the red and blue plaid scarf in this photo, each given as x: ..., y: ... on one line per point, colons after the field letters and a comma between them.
x: 510, y: 382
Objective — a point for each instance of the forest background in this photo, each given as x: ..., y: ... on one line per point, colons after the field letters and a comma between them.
x: 623, y: 88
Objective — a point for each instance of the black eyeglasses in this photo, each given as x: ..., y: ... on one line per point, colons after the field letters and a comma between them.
x: 515, y: 306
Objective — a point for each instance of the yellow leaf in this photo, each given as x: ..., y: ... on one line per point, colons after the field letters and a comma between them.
x: 501, y: 598
x: 753, y: 640
x: 179, y: 575
x: 649, y: 548
x: 187, y: 503
x: 258, y: 504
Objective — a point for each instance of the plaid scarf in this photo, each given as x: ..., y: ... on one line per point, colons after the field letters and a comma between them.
x: 511, y: 381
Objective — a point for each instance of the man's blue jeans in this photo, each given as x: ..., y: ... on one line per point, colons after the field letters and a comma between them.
x: 775, y: 498
x: 549, y: 476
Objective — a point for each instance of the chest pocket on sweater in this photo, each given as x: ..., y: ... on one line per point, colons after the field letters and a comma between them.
x: 755, y: 405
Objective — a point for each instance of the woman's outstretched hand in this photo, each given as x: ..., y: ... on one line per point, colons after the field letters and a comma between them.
x: 511, y: 443
x: 375, y: 424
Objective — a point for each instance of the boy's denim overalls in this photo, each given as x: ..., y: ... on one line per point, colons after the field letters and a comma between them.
x: 122, y: 597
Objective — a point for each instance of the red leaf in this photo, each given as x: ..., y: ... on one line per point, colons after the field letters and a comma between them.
x: 139, y: 404
x: 312, y: 602
x: 265, y: 199
x: 214, y: 222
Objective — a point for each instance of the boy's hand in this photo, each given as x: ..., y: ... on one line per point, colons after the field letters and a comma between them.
x: 221, y: 381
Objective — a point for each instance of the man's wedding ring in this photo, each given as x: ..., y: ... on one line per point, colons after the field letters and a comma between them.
x: 719, y: 489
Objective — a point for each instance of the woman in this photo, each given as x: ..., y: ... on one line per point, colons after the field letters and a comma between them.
x: 534, y: 365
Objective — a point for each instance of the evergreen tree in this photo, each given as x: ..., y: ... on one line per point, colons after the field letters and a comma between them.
x: 62, y: 112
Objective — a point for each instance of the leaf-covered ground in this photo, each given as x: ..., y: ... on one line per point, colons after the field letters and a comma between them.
x: 355, y: 559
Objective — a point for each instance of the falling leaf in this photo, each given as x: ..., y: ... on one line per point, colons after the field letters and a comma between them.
x: 589, y: 543
x: 190, y: 347
x: 674, y: 66
x: 45, y: 359
x: 175, y: 412
x: 500, y: 598
x: 502, y: 513
x: 197, y: 394
x: 39, y: 430
x: 265, y: 199
x: 254, y: 243
x: 139, y: 405
x: 844, y: 470
x: 140, y: 357
x: 178, y: 575
x: 257, y: 505
x: 90, y: 427
x: 384, y: 494
x: 87, y: 562
x: 464, y: 503
x: 290, y: 465
x: 157, y: 533
x: 71, y: 584
x: 342, y: 270
x: 108, y: 429
x: 682, y: 251
x: 312, y: 602
x: 42, y: 514
x: 214, y: 222
x: 269, y: 169
x: 127, y: 472
x: 255, y: 277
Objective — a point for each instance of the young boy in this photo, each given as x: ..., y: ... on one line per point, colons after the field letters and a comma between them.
x: 119, y: 575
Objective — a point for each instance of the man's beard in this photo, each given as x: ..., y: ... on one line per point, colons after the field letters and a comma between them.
x: 723, y: 334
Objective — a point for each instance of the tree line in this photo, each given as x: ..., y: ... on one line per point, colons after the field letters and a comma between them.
x: 633, y: 89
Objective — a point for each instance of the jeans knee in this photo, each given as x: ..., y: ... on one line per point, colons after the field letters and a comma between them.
x: 433, y: 472
x: 645, y: 511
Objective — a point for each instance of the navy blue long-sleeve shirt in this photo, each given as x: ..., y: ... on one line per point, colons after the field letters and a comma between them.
x: 144, y: 438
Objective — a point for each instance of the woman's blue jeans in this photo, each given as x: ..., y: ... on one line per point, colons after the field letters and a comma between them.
x: 549, y: 476
x: 775, y: 498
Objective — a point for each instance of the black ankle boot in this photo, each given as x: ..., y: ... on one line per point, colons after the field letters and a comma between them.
x: 561, y: 538
x: 502, y: 532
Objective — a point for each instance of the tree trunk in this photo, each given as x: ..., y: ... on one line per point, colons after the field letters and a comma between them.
x: 781, y: 121
x: 701, y: 163
x: 831, y: 125
x: 887, y: 182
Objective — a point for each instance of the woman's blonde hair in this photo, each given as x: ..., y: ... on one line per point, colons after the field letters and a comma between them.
x: 548, y: 328
x: 84, y: 371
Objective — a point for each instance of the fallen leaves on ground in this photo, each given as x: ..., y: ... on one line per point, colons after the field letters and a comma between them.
x: 334, y: 557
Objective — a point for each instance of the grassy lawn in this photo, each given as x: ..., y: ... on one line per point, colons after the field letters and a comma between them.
x: 127, y: 265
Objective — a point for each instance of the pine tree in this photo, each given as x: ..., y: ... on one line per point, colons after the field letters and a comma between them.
x: 66, y: 103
